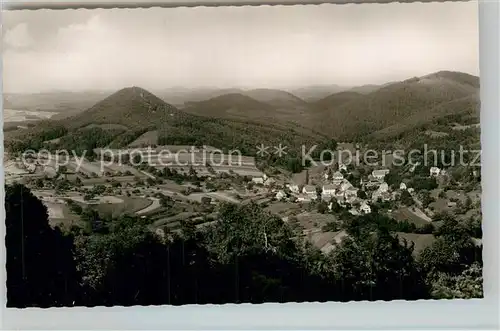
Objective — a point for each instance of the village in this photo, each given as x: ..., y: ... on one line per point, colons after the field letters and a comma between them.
x: 190, y: 188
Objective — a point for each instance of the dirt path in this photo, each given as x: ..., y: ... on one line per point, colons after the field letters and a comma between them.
x: 148, y: 174
x: 223, y: 196
x: 155, y: 205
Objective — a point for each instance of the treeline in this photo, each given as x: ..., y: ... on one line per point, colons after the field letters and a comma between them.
x: 247, y: 255
x: 36, y: 137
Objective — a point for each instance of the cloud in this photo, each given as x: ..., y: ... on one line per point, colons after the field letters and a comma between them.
x: 240, y: 46
x: 18, y: 36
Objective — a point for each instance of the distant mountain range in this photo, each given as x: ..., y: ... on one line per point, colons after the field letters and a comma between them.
x: 232, y: 116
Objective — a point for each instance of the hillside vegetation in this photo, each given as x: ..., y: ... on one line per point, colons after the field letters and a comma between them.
x: 122, y: 117
x: 416, y: 98
x: 245, y: 119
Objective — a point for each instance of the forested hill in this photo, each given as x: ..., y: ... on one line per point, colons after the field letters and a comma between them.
x: 421, y: 99
x: 129, y: 113
x: 247, y: 118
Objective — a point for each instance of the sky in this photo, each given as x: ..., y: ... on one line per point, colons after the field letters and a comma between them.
x: 253, y: 47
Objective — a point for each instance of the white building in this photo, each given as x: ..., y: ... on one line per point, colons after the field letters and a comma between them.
x: 328, y: 190
x: 280, y: 195
x: 365, y: 208
x: 384, y: 187
x: 402, y: 186
x: 380, y: 174
x: 310, y: 191
x: 342, y: 167
x: 434, y: 171
x: 351, y: 192
x: 258, y: 180
x: 294, y: 188
x: 337, y: 176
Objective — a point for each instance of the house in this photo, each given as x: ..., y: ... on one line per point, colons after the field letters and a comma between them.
x: 380, y: 174
x: 310, y: 191
x: 365, y: 208
x: 342, y: 167
x: 351, y: 192
x: 411, y: 190
x: 328, y: 190
x: 384, y: 187
x: 294, y: 188
x: 280, y: 195
x: 337, y: 176
x: 303, y: 198
x: 258, y: 180
x: 380, y: 195
x: 402, y: 186
x: 434, y: 171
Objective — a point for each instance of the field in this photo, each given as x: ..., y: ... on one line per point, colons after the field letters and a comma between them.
x: 130, y: 205
x: 282, y: 207
x: 60, y: 214
x: 311, y: 221
x: 14, y: 115
x: 404, y: 214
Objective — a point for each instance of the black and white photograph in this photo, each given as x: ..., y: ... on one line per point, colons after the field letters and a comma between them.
x: 253, y: 154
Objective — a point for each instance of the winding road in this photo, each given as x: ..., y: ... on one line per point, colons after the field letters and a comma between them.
x: 153, y: 206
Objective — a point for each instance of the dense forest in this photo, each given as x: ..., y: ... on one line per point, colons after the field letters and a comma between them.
x: 247, y: 255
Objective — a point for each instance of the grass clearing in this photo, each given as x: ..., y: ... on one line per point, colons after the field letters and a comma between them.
x: 129, y: 206
x: 404, y: 214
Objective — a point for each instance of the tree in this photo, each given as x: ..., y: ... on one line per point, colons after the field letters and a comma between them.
x: 166, y: 201
x: 452, y: 252
x: 377, y: 266
x: 362, y: 194
x: 393, y: 179
x: 322, y: 207
x: 39, y: 183
x: 468, y: 284
x: 40, y: 268
x: 206, y: 200
x: 406, y: 198
x: 426, y: 198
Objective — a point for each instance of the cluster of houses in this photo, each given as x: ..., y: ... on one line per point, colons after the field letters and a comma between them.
x: 264, y: 180
x: 336, y: 186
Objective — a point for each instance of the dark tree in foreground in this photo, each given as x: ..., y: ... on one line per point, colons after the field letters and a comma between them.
x: 246, y: 255
x: 377, y: 265
x: 40, y: 267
